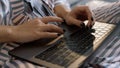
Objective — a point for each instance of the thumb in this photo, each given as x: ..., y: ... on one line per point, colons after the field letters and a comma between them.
x: 51, y: 19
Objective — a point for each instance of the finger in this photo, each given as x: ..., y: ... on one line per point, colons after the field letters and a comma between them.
x: 90, y: 23
x: 52, y: 28
x: 49, y: 35
x: 90, y: 18
x: 51, y: 19
x: 76, y: 22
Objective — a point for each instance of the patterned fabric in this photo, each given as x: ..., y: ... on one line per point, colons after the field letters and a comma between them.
x: 109, y: 13
x: 13, y: 12
x: 111, y: 62
x: 109, y: 56
x: 5, y: 13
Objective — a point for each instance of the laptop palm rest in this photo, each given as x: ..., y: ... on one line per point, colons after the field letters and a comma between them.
x: 29, y: 50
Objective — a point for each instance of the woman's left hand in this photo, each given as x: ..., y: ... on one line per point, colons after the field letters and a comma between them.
x: 79, y: 14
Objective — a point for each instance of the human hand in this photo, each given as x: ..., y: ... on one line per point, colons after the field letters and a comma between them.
x: 78, y: 15
x: 36, y: 29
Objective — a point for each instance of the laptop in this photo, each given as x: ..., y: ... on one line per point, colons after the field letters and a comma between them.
x: 69, y: 50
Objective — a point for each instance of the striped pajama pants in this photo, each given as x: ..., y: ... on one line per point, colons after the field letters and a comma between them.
x: 109, y: 14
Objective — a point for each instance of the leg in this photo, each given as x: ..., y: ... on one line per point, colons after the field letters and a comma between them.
x: 108, y: 14
x: 7, y: 62
x: 19, y: 64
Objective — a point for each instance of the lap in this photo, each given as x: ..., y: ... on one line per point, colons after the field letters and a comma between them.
x: 108, y: 14
x: 6, y: 60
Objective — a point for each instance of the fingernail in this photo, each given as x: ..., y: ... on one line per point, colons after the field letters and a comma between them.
x: 64, y: 30
x: 89, y: 27
x: 58, y: 34
x: 63, y: 20
x: 98, y: 65
x: 82, y: 25
x: 90, y: 64
x: 92, y: 18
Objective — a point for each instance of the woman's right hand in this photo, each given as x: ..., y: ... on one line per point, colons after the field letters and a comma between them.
x: 36, y: 29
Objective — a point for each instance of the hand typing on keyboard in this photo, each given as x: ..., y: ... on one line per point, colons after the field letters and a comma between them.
x: 79, y: 14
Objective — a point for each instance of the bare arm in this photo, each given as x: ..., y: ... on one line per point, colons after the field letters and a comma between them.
x: 61, y: 10
x: 31, y: 30
x: 5, y: 33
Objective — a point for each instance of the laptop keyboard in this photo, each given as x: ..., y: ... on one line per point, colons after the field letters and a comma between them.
x: 74, y: 44
x: 59, y: 54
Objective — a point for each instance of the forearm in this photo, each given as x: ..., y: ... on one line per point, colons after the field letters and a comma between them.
x: 61, y: 10
x: 5, y: 33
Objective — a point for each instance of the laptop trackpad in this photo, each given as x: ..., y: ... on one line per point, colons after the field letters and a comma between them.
x: 29, y: 50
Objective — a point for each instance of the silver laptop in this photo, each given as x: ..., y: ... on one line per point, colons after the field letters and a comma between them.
x: 68, y: 50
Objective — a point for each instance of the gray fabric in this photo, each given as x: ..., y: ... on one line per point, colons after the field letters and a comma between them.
x: 12, y: 12
x: 5, y: 59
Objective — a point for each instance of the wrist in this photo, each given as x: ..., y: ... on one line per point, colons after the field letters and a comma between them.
x: 9, y: 32
x: 61, y: 11
x: 12, y: 33
x: 64, y: 16
x: 5, y: 33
